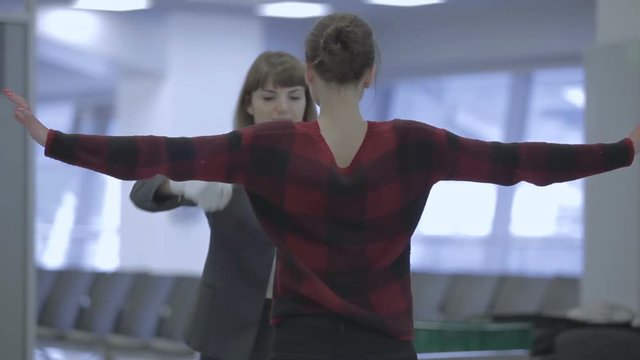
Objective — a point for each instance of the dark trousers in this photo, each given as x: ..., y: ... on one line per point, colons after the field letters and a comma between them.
x: 335, y: 338
x: 263, y: 336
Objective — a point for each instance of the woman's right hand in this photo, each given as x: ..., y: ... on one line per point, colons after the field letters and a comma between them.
x: 23, y: 114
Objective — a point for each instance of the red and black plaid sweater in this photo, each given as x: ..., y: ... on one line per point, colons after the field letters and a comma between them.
x: 342, y: 233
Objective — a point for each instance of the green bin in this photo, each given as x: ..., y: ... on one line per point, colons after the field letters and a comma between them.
x: 444, y: 336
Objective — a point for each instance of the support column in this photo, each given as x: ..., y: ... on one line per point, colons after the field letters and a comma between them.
x: 17, y: 279
x: 612, y: 207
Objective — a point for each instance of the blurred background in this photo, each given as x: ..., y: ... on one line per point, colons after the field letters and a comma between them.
x: 506, y: 70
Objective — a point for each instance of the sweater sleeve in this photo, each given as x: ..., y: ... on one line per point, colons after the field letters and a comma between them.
x: 209, y: 158
x: 539, y: 163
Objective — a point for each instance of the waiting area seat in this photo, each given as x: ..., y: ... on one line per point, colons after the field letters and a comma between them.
x: 137, y: 315
x: 117, y: 315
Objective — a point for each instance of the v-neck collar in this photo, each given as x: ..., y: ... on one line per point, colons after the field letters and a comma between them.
x: 329, y: 153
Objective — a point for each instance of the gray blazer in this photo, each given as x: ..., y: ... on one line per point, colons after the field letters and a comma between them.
x: 235, y: 276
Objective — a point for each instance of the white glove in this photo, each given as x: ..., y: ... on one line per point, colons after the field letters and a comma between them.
x: 209, y: 196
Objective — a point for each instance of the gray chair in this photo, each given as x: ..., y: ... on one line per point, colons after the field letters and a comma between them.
x: 45, y: 280
x: 469, y: 296
x: 429, y: 290
x: 169, y: 339
x: 141, y: 315
x: 60, y: 310
x: 178, y: 310
x: 597, y: 344
x: 107, y: 298
x: 69, y: 294
x: 519, y: 295
x: 563, y: 294
x: 97, y: 317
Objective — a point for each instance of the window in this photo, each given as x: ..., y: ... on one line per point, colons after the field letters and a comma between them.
x: 76, y: 210
x: 555, y: 115
x: 483, y: 227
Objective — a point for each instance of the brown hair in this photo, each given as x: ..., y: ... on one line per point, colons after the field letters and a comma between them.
x: 340, y: 47
x: 282, y: 70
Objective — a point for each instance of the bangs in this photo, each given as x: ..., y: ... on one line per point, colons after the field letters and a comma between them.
x: 287, y: 75
x: 287, y: 78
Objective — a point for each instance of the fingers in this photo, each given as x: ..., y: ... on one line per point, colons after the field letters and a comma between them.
x: 22, y: 110
x: 18, y: 100
x: 22, y: 115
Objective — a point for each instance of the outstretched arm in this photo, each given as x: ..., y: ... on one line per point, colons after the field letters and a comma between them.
x: 534, y: 162
x: 453, y: 157
x: 210, y: 158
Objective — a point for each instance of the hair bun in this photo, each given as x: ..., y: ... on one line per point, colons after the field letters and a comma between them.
x: 341, y: 48
x: 336, y: 40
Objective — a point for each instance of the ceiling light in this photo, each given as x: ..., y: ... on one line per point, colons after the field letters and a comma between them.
x: 293, y: 9
x: 113, y: 5
x: 64, y: 25
x: 405, y: 3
